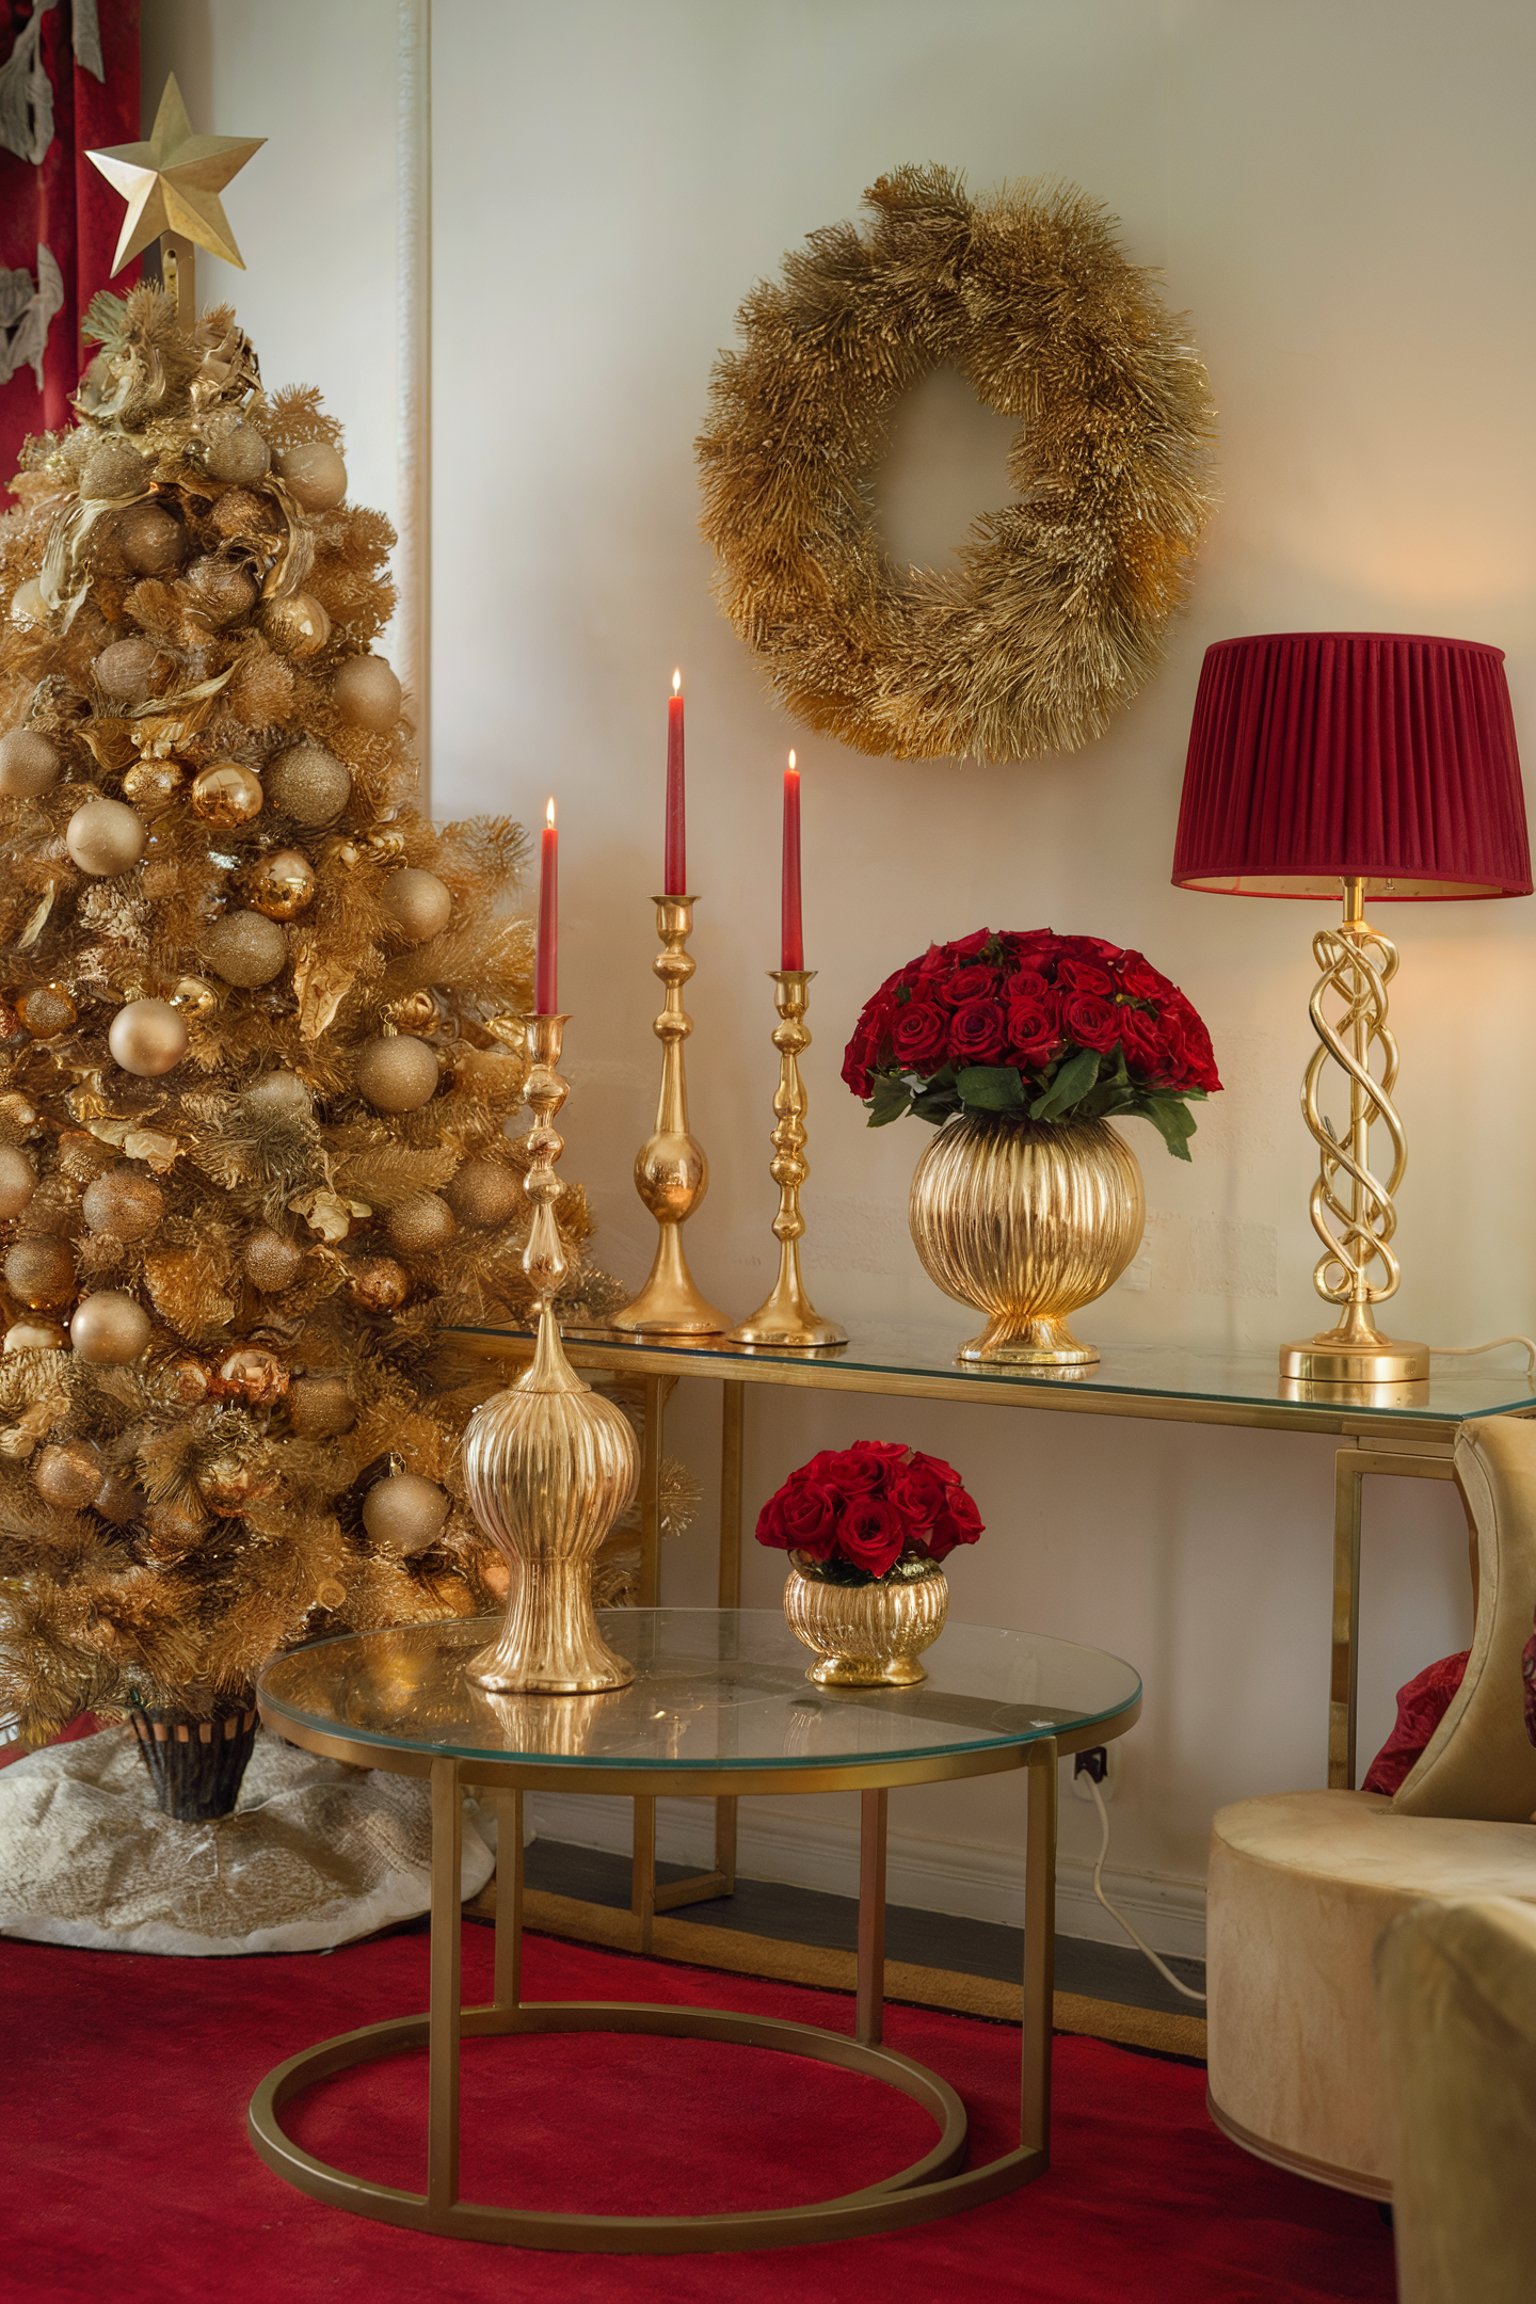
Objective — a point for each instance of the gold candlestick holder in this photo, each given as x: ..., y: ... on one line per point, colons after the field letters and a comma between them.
x: 549, y: 1464
x: 671, y: 1172
x: 787, y: 1316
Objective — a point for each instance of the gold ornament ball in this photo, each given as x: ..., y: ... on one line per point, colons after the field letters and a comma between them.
x: 255, y: 1374
x: 309, y: 784
x: 378, y: 1284
x: 105, y: 837
x: 485, y: 1192
x: 172, y: 1531
x: 418, y: 904
x: 298, y: 624
x: 186, y: 1380
x: 320, y: 1407
x: 403, y: 1514
x: 128, y: 671
x: 367, y: 694
x: 18, y: 1180
x: 67, y: 1475
x: 222, y: 590
x: 40, y: 1271
x: 109, y: 1329
x: 246, y: 948
x: 239, y: 455
x: 119, y: 1500
x: 226, y: 795
x: 125, y: 1202
x: 151, y: 785
x: 47, y: 1010
x: 229, y: 1487
x: 279, y: 1096
x: 35, y: 1335
x: 315, y: 475
x: 420, y: 1225
x: 281, y: 885
x: 151, y: 539
x: 397, y: 1074
x: 195, y: 996
x: 113, y: 469
x: 29, y: 604
x: 271, y: 1261
x: 29, y: 764
x: 147, y: 1038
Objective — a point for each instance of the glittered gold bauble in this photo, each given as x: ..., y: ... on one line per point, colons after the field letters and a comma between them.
x: 67, y: 1475
x: 320, y: 1407
x: 40, y: 1271
x: 119, y: 1500
x: 35, y: 1335
x: 222, y: 590
x: 485, y: 1192
x: 29, y: 764
x: 109, y: 1329
x: 397, y: 1074
x: 151, y: 539
x: 152, y: 785
x: 195, y: 996
x: 229, y: 1487
x: 403, y: 1514
x: 105, y: 837
x: 239, y: 455
x: 255, y: 1374
x: 128, y: 670
x: 298, y: 624
x: 309, y: 784
x: 124, y: 1202
x: 246, y: 948
x: 279, y: 1096
x: 420, y: 1225
x: 113, y: 469
x: 18, y: 1180
x: 281, y: 884
x: 414, y: 1011
x: 47, y: 1010
x: 186, y: 1380
x: 171, y: 1531
x: 270, y: 1261
x: 378, y: 1284
x: 315, y: 475
x: 366, y: 693
x: 418, y: 904
x: 29, y: 604
x: 148, y: 1038
x: 226, y: 795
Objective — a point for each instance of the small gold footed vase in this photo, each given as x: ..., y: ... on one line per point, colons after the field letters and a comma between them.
x: 866, y: 1635
x: 548, y: 1463
x: 1026, y: 1220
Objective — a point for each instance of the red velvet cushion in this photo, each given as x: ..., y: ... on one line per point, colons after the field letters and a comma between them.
x: 1421, y: 1706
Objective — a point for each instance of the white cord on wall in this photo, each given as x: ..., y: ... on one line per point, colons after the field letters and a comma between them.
x: 1119, y: 1918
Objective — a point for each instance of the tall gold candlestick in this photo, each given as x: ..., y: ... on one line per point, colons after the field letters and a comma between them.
x: 671, y: 1172
x: 787, y: 1316
x: 548, y: 1463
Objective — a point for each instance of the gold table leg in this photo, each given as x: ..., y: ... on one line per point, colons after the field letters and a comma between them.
x: 507, y: 1972
x: 1039, y: 1951
x: 733, y: 1418
x: 869, y: 2002
x: 443, y: 2023
x: 1428, y: 1460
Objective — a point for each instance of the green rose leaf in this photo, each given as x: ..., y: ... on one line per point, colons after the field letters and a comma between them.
x: 889, y: 1099
x: 1070, y: 1083
x: 991, y: 1088
x: 1173, y: 1120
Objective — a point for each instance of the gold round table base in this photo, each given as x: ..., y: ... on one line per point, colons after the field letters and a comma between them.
x: 936, y: 2185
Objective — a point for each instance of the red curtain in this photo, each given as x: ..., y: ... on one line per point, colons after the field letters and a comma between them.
x: 69, y: 80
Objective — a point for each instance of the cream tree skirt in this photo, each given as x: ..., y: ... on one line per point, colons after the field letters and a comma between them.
x: 315, y: 1854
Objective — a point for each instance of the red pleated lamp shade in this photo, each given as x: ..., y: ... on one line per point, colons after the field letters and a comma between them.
x: 1320, y: 756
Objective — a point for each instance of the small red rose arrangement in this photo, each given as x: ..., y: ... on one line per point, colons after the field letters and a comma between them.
x: 1043, y: 1026
x: 856, y: 1515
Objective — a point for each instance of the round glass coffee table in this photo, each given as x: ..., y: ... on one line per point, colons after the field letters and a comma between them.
x: 719, y: 1706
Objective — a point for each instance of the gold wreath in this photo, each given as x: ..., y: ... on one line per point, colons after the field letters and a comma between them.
x: 1055, y: 613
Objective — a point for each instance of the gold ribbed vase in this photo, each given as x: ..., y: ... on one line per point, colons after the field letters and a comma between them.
x: 867, y: 1635
x: 1027, y: 1220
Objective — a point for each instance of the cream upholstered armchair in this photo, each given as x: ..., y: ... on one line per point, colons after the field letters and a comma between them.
x: 1304, y: 1885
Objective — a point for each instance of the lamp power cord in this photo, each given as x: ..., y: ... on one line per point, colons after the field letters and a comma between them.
x: 1186, y: 1990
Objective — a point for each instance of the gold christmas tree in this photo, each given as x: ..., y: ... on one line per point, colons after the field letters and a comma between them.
x: 255, y: 1055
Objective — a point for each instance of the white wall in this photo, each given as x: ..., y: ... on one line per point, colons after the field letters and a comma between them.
x: 1340, y: 193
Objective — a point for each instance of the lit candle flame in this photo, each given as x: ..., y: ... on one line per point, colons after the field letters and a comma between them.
x: 549, y: 812
x: 792, y: 763
x: 677, y: 683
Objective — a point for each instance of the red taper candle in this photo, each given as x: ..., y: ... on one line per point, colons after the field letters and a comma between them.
x: 546, y: 1001
x: 674, y: 868
x: 793, y: 953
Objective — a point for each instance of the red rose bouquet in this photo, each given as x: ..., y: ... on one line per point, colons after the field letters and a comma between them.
x: 873, y: 1510
x: 1049, y: 1027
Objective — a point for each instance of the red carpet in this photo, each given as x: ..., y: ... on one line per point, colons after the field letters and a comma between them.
x: 125, y: 2082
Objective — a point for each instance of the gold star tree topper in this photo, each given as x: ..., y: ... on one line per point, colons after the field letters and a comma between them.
x: 172, y: 183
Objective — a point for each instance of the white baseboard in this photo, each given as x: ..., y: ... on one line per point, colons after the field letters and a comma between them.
x: 930, y: 1875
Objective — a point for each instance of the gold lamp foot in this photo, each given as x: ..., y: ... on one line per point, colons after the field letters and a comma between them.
x: 1354, y: 1353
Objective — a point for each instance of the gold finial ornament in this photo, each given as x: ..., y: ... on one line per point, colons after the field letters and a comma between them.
x: 787, y: 1316
x: 549, y: 1464
x: 171, y: 183
x: 671, y: 1172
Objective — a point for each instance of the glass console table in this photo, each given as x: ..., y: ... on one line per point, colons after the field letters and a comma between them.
x: 720, y: 1705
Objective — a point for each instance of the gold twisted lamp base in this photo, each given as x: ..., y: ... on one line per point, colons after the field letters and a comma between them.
x: 1353, y: 1210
